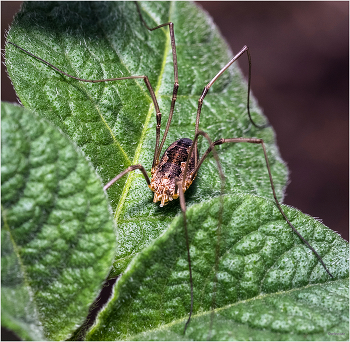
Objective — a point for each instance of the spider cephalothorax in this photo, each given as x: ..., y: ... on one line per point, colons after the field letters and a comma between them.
x: 171, y: 168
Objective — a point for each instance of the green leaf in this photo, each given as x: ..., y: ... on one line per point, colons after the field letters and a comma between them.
x: 57, y: 235
x: 268, y: 280
x: 114, y: 123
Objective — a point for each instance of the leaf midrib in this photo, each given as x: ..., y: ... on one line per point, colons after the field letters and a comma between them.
x: 130, y: 176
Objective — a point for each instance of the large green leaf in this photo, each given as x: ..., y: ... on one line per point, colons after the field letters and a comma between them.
x: 57, y: 234
x: 114, y: 123
x: 270, y: 285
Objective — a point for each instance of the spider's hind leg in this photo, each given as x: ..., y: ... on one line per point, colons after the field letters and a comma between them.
x: 176, y: 82
x: 261, y: 142
x: 220, y: 214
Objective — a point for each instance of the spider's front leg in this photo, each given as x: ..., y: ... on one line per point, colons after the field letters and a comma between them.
x: 261, y: 142
x: 158, y: 148
x: 130, y: 168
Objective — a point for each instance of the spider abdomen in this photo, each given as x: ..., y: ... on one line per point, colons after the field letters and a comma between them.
x: 170, y: 169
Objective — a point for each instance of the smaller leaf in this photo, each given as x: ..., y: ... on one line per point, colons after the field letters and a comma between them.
x: 58, y: 238
x: 259, y: 256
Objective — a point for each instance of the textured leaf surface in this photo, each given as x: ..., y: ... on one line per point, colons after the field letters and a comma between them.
x: 114, y: 123
x: 316, y: 312
x: 57, y: 236
x: 259, y: 259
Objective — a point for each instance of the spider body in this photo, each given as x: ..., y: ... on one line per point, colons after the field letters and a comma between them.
x: 170, y: 169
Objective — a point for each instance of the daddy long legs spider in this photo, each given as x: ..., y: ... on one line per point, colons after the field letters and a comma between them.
x: 174, y: 172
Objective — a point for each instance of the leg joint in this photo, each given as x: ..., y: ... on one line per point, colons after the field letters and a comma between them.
x: 158, y: 118
x: 204, y: 93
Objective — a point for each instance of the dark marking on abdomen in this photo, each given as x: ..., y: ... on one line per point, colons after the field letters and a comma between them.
x: 175, y: 154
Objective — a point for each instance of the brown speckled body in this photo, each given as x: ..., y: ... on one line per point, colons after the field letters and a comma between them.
x: 171, y: 168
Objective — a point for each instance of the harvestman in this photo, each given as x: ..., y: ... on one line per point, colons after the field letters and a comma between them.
x: 173, y: 174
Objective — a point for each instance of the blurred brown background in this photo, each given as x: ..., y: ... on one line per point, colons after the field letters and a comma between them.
x: 300, y: 76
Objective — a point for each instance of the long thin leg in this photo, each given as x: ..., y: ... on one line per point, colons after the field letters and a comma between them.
x: 180, y: 184
x: 183, y: 208
x: 176, y: 81
x: 145, y: 78
x: 261, y: 142
x: 207, y: 87
x: 130, y: 168
x: 248, y: 95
